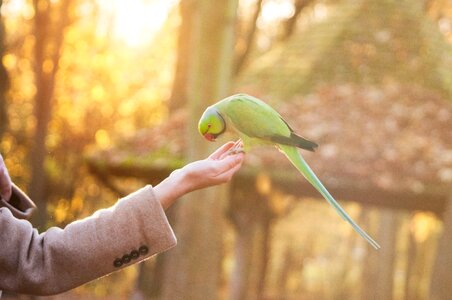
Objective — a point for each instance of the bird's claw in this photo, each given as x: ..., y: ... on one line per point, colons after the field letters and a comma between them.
x: 236, y: 151
x: 237, y: 148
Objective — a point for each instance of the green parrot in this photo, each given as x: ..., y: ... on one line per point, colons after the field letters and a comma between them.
x: 258, y: 123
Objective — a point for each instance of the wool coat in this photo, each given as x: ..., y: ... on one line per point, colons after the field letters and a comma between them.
x: 60, y: 259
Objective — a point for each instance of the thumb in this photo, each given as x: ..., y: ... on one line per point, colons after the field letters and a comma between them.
x: 227, y: 175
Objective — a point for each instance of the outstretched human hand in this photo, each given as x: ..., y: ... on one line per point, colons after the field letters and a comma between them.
x: 5, y: 181
x: 218, y: 168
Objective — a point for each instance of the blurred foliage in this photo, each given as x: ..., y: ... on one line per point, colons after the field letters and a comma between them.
x: 105, y: 90
x: 361, y: 42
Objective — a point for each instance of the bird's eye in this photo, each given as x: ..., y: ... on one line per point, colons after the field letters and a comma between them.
x: 209, y: 125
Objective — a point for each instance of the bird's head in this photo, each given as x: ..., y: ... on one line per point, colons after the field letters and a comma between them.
x: 211, y: 124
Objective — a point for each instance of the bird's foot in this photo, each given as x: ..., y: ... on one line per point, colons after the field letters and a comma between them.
x: 236, y: 151
x: 237, y: 148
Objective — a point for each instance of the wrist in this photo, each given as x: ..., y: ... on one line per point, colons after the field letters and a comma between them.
x: 172, y: 188
x: 179, y: 181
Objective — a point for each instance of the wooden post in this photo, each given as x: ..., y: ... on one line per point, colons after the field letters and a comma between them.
x: 441, y: 281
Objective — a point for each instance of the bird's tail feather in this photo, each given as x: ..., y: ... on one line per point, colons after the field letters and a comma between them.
x: 297, y: 160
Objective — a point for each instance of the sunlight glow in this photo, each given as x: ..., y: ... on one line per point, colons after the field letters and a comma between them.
x: 135, y: 21
x: 15, y: 8
x: 277, y: 10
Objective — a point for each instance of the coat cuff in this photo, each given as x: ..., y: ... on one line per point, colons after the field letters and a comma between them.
x: 156, y: 225
x: 142, y: 214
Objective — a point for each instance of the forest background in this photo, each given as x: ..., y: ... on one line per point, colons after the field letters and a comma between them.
x: 98, y: 98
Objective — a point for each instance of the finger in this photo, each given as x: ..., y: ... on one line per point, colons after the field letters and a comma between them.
x: 220, y: 151
x: 225, y: 154
x: 228, y: 163
x: 227, y: 175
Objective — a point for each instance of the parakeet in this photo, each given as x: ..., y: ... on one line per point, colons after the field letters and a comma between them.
x: 257, y: 122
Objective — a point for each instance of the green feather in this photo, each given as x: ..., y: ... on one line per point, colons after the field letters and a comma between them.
x: 297, y: 160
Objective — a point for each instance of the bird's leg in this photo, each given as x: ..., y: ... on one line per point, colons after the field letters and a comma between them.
x: 237, y: 148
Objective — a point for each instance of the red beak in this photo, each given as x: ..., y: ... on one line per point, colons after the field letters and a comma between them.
x: 210, y: 137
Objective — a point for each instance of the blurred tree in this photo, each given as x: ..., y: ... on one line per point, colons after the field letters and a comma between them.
x: 382, y: 288
x: 249, y: 30
x: 251, y: 215
x: 441, y: 280
x: 411, y: 257
x: 178, y: 97
x: 245, y: 43
x: 195, y: 265
x: 290, y: 23
x: 50, y: 20
x: 290, y: 263
x: 422, y: 240
x: 4, y: 80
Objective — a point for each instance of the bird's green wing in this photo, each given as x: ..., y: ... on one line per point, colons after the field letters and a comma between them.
x: 297, y: 160
x: 256, y: 119
x: 253, y: 117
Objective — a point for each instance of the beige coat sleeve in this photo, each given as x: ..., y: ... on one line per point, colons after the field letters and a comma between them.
x: 57, y: 260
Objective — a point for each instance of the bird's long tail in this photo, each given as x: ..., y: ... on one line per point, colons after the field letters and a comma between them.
x: 297, y: 160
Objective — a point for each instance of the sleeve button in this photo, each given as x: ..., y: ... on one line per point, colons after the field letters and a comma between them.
x: 126, y: 258
x: 143, y: 250
x: 117, y: 263
x: 134, y: 254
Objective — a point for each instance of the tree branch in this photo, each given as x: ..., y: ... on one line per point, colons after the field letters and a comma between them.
x: 243, y: 53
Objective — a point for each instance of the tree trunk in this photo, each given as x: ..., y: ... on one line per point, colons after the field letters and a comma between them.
x: 4, y: 81
x: 441, y: 280
x: 287, y: 267
x: 388, y: 234
x: 266, y: 254
x: 290, y: 24
x: 47, y: 54
x: 248, y: 262
x: 251, y: 217
x: 244, y: 51
x: 379, y: 269
x: 178, y: 97
x: 194, y: 267
x: 412, y: 249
